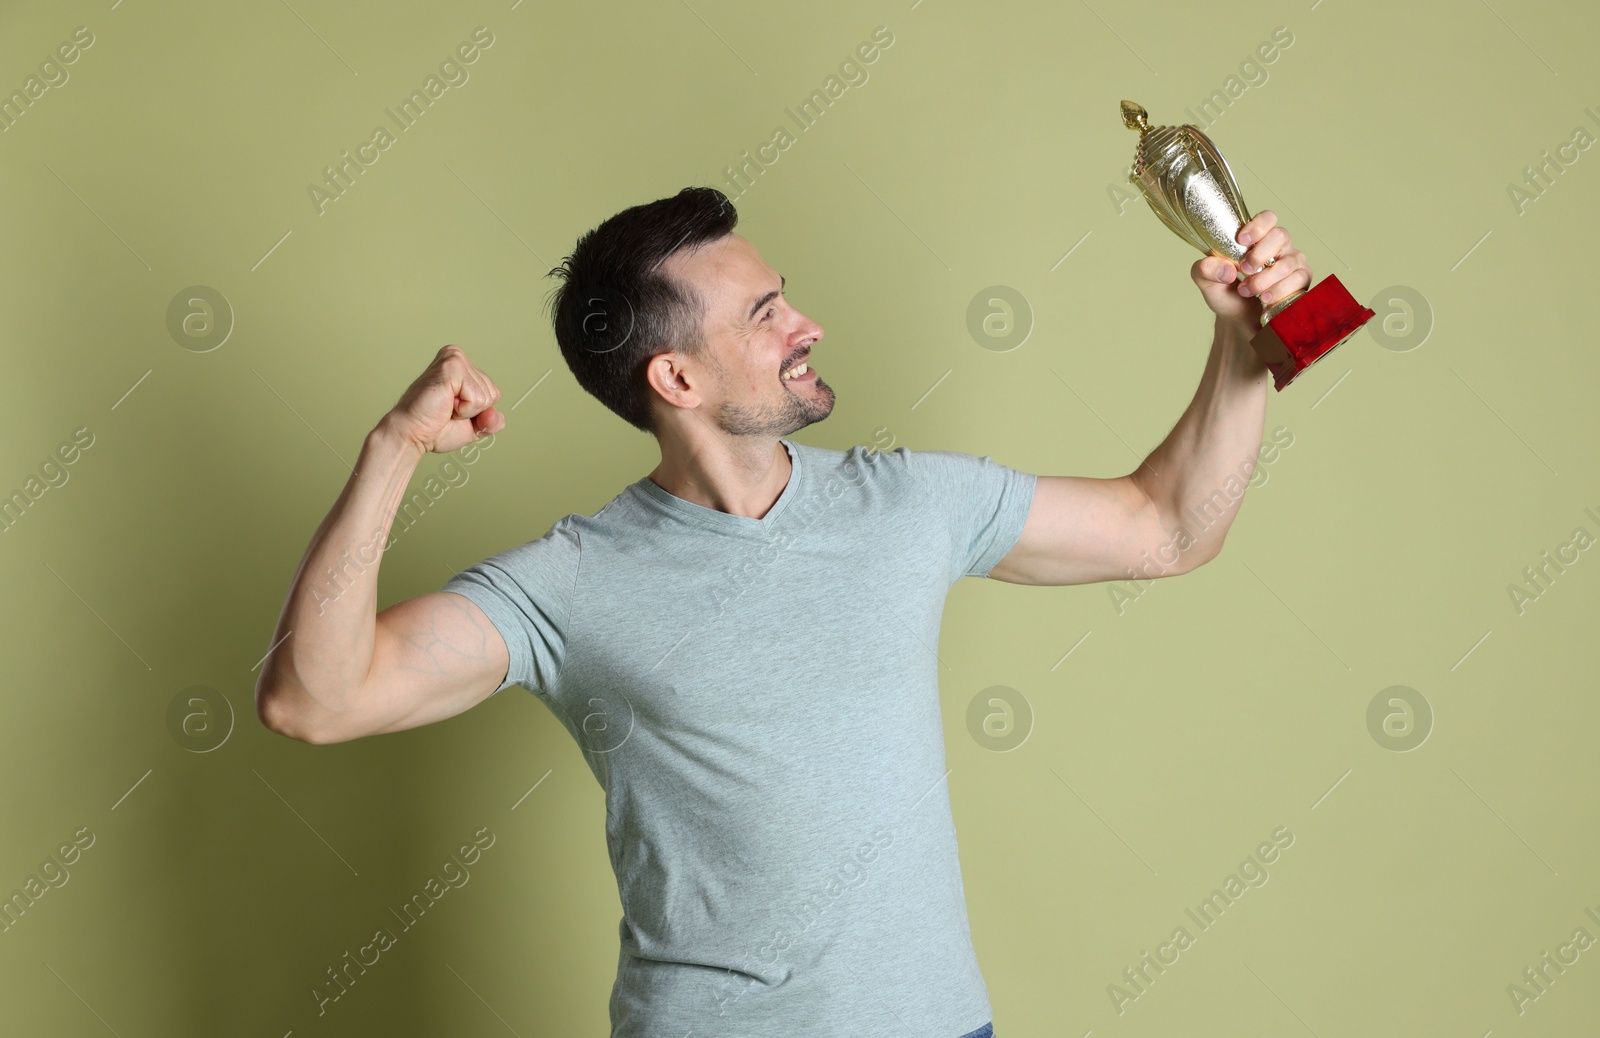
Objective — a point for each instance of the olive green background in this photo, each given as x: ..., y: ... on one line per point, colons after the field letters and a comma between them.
x: 1167, y: 740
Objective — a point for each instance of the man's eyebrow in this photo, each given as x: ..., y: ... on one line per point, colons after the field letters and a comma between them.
x: 769, y: 297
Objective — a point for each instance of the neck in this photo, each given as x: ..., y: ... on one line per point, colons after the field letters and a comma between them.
x: 738, y: 475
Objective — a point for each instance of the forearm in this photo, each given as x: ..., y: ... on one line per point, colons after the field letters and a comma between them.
x: 1198, y: 475
x: 325, y: 634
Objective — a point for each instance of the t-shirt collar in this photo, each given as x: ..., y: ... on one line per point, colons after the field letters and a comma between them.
x: 691, y: 510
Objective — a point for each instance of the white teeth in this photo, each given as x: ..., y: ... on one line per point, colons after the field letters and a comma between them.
x: 796, y: 372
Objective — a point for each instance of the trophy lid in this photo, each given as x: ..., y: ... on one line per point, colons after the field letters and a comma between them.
x: 1153, y: 140
x: 1134, y: 117
x: 1159, y: 142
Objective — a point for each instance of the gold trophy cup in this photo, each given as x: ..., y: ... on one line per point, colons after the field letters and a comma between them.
x: 1189, y: 185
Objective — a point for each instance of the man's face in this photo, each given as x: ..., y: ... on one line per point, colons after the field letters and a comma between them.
x: 753, y: 340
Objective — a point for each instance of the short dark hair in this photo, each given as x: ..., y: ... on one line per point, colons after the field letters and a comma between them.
x: 615, y: 308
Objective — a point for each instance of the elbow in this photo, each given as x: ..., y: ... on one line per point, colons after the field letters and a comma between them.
x: 1184, y: 551
x: 1199, y: 553
x: 1177, y: 555
x: 1174, y: 560
x: 273, y: 712
x: 276, y: 712
x: 1203, y: 557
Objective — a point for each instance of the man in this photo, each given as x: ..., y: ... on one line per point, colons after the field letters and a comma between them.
x: 743, y: 642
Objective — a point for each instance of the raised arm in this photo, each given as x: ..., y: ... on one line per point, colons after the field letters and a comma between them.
x: 1172, y: 513
x: 340, y: 669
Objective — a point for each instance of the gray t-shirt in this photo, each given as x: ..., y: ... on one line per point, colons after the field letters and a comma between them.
x: 759, y: 700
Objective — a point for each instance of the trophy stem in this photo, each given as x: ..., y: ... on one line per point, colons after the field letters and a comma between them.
x: 1269, y: 312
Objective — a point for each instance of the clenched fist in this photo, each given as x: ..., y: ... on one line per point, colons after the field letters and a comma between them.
x: 1237, y: 293
x: 449, y: 405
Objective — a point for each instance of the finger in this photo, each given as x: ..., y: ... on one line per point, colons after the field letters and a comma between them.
x: 1257, y: 227
x: 491, y: 392
x: 1297, y: 276
x: 1273, y: 244
x: 471, y: 387
x: 470, y: 372
x: 1258, y: 282
x: 473, y: 400
x: 1213, y: 268
x: 471, y: 395
x: 1298, y: 281
x: 1262, y: 281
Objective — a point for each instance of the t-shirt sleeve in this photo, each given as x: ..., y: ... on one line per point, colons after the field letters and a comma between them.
x: 984, y: 505
x: 526, y: 592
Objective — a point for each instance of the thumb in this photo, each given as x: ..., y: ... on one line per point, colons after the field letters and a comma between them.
x: 1213, y: 270
x: 488, y: 421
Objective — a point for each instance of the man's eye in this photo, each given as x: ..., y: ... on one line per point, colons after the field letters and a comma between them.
x: 769, y: 313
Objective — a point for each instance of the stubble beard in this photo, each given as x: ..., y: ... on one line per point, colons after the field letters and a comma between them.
x: 798, y: 410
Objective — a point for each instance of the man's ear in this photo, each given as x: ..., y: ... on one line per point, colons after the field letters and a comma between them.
x: 675, y: 379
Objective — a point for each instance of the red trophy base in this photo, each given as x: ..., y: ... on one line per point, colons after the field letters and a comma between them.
x: 1308, y: 328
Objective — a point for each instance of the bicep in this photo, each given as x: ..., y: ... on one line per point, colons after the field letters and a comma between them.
x: 1081, y: 530
x: 433, y: 656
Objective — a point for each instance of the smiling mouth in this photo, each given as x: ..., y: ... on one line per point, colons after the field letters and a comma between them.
x: 797, y: 371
